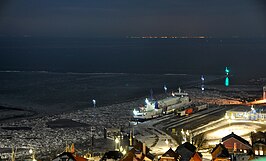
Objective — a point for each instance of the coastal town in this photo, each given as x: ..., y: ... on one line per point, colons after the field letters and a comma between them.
x: 114, y: 130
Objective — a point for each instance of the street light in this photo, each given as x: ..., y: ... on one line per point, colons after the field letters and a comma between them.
x: 166, y: 142
x: 183, y: 136
x: 226, y: 116
x: 187, y: 132
x: 124, y: 152
x: 31, y: 151
x: 116, y: 143
x: 121, y: 149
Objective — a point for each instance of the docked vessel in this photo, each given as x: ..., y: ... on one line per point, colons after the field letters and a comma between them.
x: 153, y: 108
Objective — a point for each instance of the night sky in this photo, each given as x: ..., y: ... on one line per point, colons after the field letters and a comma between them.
x: 120, y: 18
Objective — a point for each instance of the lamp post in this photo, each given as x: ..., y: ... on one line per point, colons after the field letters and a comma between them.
x: 116, y: 143
x: 32, y: 152
x: 184, y: 139
x: 202, y: 83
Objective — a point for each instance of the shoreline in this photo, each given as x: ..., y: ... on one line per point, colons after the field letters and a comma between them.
x: 111, y: 116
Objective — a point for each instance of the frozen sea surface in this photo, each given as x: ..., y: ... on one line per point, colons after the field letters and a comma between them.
x: 46, y: 92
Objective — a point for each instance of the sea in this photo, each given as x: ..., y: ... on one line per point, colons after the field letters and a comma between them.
x: 62, y: 74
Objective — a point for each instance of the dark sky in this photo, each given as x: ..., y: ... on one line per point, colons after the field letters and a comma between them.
x: 107, y: 18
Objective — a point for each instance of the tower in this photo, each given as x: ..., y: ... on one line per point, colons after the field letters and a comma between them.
x: 264, y: 93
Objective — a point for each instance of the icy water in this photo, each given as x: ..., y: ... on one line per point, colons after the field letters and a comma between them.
x: 60, y: 74
x: 57, y: 92
x: 156, y: 56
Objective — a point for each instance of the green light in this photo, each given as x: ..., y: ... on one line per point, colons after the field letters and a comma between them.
x: 227, y: 70
x: 226, y: 83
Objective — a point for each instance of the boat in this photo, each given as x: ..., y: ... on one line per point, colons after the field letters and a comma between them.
x: 156, y: 108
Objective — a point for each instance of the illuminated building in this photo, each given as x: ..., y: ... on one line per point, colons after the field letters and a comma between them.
x: 236, y: 144
x: 220, y: 153
x: 259, y: 142
x: 170, y: 155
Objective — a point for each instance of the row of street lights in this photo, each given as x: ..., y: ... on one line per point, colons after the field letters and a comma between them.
x: 118, y: 147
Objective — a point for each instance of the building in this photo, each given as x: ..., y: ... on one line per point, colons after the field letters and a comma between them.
x: 220, y: 153
x: 112, y: 156
x: 257, y: 113
x: 139, y: 152
x: 170, y: 155
x: 136, y: 155
x: 196, y: 157
x: 68, y: 156
x: 188, y: 152
x: 236, y: 144
x: 258, y: 140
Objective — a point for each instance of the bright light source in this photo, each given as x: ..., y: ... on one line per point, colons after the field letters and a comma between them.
x: 135, y: 112
x: 124, y: 152
x: 94, y: 102
x: 202, y: 78
x: 166, y: 142
x: 182, y: 131
x: 226, y: 83
x: 187, y: 132
x: 30, y: 151
x: 227, y: 70
x: 147, y: 101
x: 116, y: 140
x: 121, y: 148
x: 226, y: 116
x: 165, y: 88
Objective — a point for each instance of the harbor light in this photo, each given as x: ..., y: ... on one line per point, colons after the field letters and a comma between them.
x: 202, y: 88
x: 147, y: 101
x: 202, y: 78
x: 135, y: 112
x: 94, y: 102
x: 226, y: 83
x: 165, y: 89
x: 226, y: 71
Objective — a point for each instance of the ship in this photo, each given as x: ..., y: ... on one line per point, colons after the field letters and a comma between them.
x: 156, y: 108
